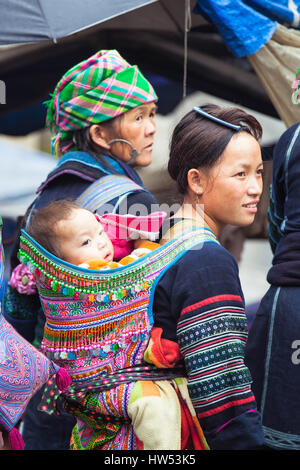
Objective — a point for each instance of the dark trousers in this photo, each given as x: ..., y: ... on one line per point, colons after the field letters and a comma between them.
x: 42, y: 431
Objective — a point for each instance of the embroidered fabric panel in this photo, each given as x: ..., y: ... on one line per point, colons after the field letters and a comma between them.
x: 92, y: 341
x: 23, y: 371
x: 212, y: 336
x: 93, y: 431
x: 98, y: 322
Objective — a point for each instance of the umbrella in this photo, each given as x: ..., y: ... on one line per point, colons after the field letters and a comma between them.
x: 24, y: 21
x: 151, y: 34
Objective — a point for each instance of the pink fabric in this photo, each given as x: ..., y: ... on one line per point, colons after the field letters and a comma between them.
x: 15, y: 440
x: 62, y: 379
x: 122, y: 230
x: 131, y: 227
x: 23, y: 371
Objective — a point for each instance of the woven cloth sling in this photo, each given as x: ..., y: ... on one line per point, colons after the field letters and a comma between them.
x: 99, y: 194
x: 98, y: 322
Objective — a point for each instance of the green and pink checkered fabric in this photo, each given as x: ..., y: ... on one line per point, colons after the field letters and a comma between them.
x: 93, y: 91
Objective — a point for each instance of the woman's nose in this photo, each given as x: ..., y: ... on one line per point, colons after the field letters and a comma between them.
x: 150, y: 127
x: 255, y: 186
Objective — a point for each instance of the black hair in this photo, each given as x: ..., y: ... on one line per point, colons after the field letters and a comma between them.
x: 198, y: 142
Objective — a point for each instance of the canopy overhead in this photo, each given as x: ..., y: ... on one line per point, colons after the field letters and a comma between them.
x: 267, y: 32
x: 24, y: 21
x: 40, y: 20
x: 212, y: 57
x: 31, y: 71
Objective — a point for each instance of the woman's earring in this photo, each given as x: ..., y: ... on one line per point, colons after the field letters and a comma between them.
x: 199, y: 208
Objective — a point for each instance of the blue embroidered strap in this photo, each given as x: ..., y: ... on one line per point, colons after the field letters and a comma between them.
x: 86, y: 159
x: 105, y: 190
x: 106, y: 164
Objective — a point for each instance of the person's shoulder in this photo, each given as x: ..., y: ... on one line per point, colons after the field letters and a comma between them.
x: 64, y: 187
x: 209, y: 260
x: 201, y: 273
x: 209, y: 253
x: 211, y: 250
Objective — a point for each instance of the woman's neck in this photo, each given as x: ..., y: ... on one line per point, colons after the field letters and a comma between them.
x: 188, y: 210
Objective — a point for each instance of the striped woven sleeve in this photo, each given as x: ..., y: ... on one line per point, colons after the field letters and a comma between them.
x: 199, y: 304
x: 212, y: 334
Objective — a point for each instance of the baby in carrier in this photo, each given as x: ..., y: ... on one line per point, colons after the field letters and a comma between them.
x: 81, y: 238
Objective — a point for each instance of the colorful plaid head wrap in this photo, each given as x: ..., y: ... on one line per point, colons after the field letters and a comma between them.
x: 93, y: 91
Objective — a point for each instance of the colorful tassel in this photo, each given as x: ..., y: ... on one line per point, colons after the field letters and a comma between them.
x: 15, y: 440
x: 63, y: 379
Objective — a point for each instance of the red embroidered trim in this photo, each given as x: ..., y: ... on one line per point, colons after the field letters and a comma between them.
x: 225, y: 406
x: 211, y: 300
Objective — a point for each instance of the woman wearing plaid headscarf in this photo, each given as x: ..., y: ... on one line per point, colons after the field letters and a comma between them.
x: 102, y: 115
x: 87, y: 99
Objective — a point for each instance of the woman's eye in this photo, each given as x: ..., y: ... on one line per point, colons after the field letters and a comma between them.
x: 86, y: 242
x: 260, y: 171
x: 241, y: 174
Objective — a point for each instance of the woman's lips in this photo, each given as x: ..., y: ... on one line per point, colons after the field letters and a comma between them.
x: 149, y: 147
x: 251, y: 207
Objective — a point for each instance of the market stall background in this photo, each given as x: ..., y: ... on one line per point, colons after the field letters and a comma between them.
x: 244, y: 53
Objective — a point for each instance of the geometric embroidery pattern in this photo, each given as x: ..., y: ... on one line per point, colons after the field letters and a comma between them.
x: 212, y: 336
x: 23, y: 371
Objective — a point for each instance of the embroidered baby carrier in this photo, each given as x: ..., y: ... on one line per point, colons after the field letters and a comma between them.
x: 98, y: 322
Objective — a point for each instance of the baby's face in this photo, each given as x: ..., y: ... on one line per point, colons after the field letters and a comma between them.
x: 81, y: 238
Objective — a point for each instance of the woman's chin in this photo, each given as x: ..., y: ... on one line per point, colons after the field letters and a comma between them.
x: 245, y: 222
x: 144, y: 159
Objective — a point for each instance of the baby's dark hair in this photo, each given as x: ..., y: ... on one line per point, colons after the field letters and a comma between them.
x: 42, y: 223
x: 198, y: 142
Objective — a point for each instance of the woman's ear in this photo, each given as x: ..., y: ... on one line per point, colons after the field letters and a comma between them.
x: 99, y: 136
x: 196, y: 181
